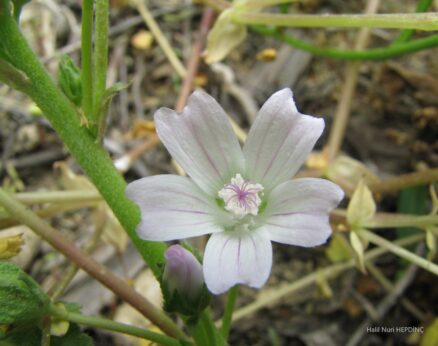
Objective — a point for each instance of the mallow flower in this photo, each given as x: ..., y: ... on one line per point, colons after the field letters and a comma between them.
x: 243, y: 197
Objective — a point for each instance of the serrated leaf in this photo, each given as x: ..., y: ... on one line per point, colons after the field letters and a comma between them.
x: 359, y: 250
x: 338, y: 250
x: 23, y: 335
x: 430, y: 337
x: 361, y: 207
x: 224, y: 37
x: 21, y: 298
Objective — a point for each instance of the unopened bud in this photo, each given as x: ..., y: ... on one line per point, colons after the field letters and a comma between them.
x: 70, y: 80
x: 183, y: 273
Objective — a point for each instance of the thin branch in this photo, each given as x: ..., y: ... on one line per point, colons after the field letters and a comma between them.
x: 399, y: 251
x: 93, y: 268
x: 310, y: 279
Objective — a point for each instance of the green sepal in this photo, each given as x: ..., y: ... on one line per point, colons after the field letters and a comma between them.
x: 21, y: 298
x: 174, y: 302
x: 69, y: 77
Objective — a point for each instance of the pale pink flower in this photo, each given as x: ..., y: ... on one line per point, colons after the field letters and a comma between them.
x: 243, y: 197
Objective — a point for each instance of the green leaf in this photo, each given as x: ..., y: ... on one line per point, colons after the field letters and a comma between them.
x: 21, y: 298
x: 69, y: 78
x: 22, y: 336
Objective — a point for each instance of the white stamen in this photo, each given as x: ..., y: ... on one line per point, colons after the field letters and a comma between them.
x: 241, y: 197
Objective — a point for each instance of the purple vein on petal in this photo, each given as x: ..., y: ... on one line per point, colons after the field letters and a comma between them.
x: 278, y: 151
x: 222, y: 251
x: 312, y: 212
x: 210, y: 161
x: 255, y: 252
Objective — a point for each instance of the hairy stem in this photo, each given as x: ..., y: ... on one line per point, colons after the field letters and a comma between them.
x: 86, y: 57
x: 100, y: 58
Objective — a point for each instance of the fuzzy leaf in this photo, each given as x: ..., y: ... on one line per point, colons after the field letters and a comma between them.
x: 21, y: 298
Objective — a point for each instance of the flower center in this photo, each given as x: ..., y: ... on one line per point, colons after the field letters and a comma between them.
x: 241, y: 196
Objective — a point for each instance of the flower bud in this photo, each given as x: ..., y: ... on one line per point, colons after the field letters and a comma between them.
x: 183, y: 273
x: 70, y: 80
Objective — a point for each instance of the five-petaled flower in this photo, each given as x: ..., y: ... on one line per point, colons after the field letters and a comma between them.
x: 244, y: 196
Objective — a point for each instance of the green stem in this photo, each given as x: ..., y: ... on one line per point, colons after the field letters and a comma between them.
x: 369, y: 54
x: 100, y: 58
x: 90, y: 155
x: 86, y: 57
x: 228, y: 313
x: 399, y: 251
x: 418, y: 21
x: 406, y: 35
x: 103, y: 323
x: 401, y: 221
x: 208, y: 327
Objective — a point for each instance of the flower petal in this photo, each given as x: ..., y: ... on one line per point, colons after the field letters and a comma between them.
x: 172, y: 207
x: 202, y: 141
x: 237, y: 258
x: 279, y: 140
x: 298, y: 211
